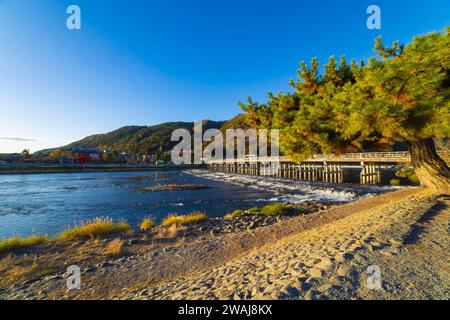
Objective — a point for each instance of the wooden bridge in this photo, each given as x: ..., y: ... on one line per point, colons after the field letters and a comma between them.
x: 326, y: 168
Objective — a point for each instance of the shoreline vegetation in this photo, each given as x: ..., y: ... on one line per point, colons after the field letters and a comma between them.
x: 105, y: 227
x: 86, y: 230
x: 115, y: 236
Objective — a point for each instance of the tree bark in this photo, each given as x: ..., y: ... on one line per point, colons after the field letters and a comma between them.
x: 431, y: 170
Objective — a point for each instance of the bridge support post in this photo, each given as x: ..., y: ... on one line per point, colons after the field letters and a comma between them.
x: 370, y: 174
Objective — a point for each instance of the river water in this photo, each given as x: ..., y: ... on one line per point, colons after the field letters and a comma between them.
x: 48, y: 203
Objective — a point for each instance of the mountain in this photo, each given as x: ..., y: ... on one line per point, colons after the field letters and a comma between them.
x: 141, y: 139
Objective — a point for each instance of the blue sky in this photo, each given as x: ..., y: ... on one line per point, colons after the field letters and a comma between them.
x: 146, y: 62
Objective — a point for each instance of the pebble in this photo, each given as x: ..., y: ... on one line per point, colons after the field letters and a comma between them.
x: 343, y: 271
x: 325, y: 264
x: 143, y: 292
x: 290, y: 291
x: 316, y: 273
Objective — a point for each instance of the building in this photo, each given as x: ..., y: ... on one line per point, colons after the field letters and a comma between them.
x: 10, y: 157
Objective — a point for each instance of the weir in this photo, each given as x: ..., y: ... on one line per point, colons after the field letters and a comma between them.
x: 324, y: 168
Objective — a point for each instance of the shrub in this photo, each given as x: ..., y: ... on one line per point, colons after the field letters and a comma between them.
x: 147, y: 223
x: 272, y: 210
x: 414, y: 179
x: 194, y: 217
x: 93, y: 229
x: 394, y: 182
x: 409, y: 173
x: 15, y: 243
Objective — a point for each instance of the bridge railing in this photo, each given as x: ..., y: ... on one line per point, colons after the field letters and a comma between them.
x: 395, y: 156
x: 362, y: 155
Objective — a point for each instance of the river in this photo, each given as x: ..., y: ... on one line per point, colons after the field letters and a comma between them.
x: 48, y: 203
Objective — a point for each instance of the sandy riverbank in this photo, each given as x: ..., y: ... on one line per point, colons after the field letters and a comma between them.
x: 404, y: 235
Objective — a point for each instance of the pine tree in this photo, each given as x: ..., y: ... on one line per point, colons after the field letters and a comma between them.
x: 405, y: 94
x: 402, y: 94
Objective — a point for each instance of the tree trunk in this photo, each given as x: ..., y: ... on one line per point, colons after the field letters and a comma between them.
x: 431, y: 170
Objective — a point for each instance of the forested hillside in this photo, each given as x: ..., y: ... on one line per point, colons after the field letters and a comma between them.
x: 141, y: 139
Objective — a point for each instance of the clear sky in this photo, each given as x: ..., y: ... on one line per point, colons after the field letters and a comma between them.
x: 146, y: 62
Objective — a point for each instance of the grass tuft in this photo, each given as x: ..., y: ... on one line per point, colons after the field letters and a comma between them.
x: 173, y: 219
x: 270, y: 210
x: 147, y: 223
x: 16, y: 243
x: 254, y: 210
x: 89, y: 229
x: 92, y: 229
x: 235, y: 214
x: 274, y: 210
x: 115, y: 247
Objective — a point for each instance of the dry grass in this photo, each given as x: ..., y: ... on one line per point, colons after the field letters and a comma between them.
x: 115, y: 247
x: 172, y: 231
x: 86, y: 230
x: 170, y: 220
x: 93, y: 229
x: 15, y: 243
x: 21, y: 272
x: 147, y: 223
x: 169, y: 232
x: 14, y: 270
x: 173, y: 219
